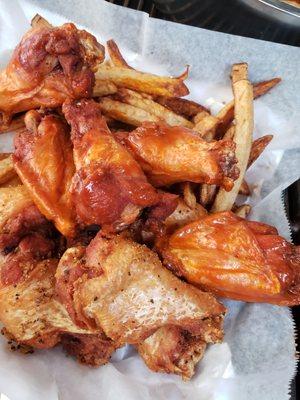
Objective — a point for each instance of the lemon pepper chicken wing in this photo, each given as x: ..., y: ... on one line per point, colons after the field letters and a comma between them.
x: 30, y: 311
x: 49, y: 65
x: 43, y: 159
x: 109, y: 187
x: 176, y: 154
x: 235, y: 258
x: 121, y: 286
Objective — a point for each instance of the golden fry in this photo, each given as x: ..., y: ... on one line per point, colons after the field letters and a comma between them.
x: 126, y: 113
x: 258, y: 147
x: 143, y: 82
x: 137, y: 100
x: 207, y: 194
x: 184, y: 107
x: 104, y: 88
x: 243, y: 113
x: 244, y: 189
x: 115, y: 55
x: 243, y: 211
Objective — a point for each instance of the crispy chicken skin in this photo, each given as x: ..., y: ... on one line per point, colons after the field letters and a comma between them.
x: 30, y: 311
x: 43, y: 159
x: 176, y: 154
x: 18, y: 217
x: 235, y: 258
x: 49, y: 65
x: 172, y: 350
x: 121, y: 286
x: 109, y: 187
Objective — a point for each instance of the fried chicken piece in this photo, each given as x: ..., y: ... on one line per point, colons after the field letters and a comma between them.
x: 172, y: 350
x: 235, y: 258
x: 43, y: 159
x: 121, y: 287
x: 49, y: 65
x: 176, y: 154
x: 109, y: 187
x: 19, y: 217
x: 30, y: 311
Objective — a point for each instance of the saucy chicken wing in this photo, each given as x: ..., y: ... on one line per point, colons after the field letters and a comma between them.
x: 49, y: 65
x: 176, y: 154
x: 43, y: 159
x: 30, y: 311
x: 235, y: 258
x: 121, y: 287
x: 109, y: 187
x: 18, y: 217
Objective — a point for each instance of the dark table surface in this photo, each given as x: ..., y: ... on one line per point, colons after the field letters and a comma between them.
x: 232, y: 16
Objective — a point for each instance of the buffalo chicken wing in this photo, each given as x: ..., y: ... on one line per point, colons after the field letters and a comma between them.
x: 109, y: 187
x: 49, y: 65
x: 43, y: 159
x: 235, y: 258
x: 176, y: 154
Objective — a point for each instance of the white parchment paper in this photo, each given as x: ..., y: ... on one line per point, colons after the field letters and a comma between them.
x: 257, y: 359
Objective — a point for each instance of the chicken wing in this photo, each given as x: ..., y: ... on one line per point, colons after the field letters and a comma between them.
x: 235, y: 258
x: 30, y: 311
x: 49, y: 65
x: 43, y: 159
x: 176, y: 154
x: 18, y: 217
x: 109, y: 187
x: 121, y: 287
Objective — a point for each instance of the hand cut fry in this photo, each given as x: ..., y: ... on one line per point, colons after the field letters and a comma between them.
x: 115, y: 55
x: 226, y: 114
x: 244, y: 189
x: 143, y: 82
x: 188, y: 195
x: 137, y: 100
x: 39, y: 21
x: 207, y: 194
x: 243, y: 211
x: 206, y: 125
x: 243, y: 112
x: 126, y: 113
x: 104, y: 88
x: 184, y: 107
x: 7, y: 170
x: 258, y: 147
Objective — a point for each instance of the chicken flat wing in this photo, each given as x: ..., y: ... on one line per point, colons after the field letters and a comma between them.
x: 49, y: 65
x: 235, y: 258
x: 176, y: 154
x: 18, y: 217
x: 121, y: 286
x: 43, y: 159
x: 30, y: 311
x: 109, y: 187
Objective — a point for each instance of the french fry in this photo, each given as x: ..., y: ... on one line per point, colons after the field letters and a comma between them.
x: 125, y: 112
x: 243, y: 114
x: 258, y: 147
x: 143, y: 82
x: 207, y: 194
x: 229, y: 134
x: 242, y: 211
x: 226, y: 114
x: 244, y: 189
x: 188, y: 195
x: 7, y: 170
x: 115, y: 55
x: 39, y: 21
x: 184, y: 107
x: 13, y: 125
x: 206, y: 125
x: 104, y: 88
x: 137, y: 100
